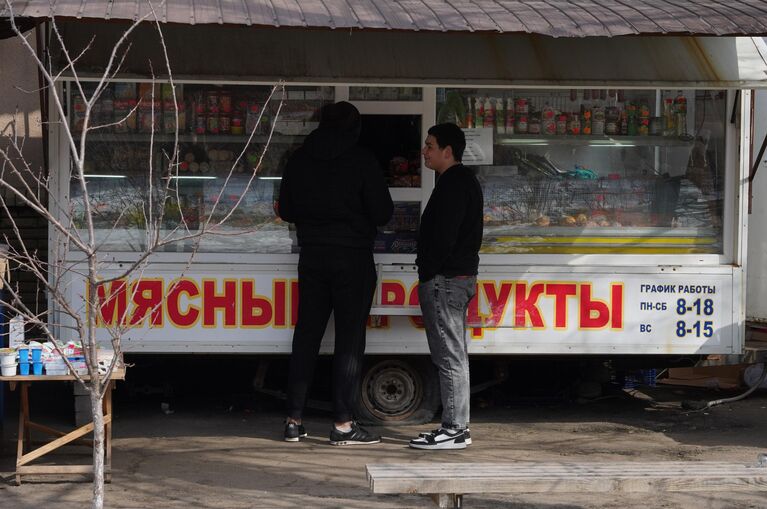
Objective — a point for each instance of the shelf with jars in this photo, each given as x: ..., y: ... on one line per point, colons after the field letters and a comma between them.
x: 577, y: 112
x: 231, y: 112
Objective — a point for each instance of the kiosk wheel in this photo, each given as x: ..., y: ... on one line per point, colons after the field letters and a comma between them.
x: 398, y: 391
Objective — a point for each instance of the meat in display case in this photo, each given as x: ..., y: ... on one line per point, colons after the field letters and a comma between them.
x: 595, y: 171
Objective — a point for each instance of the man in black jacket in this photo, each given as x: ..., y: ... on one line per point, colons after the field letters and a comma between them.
x: 449, y: 239
x: 335, y: 193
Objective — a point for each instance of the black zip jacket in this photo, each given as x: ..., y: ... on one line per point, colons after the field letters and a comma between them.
x: 450, y: 233
x: 333, y: 190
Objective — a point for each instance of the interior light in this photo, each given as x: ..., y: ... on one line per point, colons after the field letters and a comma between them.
x: 523, y: 141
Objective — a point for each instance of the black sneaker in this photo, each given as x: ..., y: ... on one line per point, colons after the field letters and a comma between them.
x: 357, y: 436
x: 294, y: 431
x: 440, y: 439
x: 466, y: 435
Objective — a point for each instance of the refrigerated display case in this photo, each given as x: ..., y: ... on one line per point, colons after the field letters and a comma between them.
x: 596, y: 171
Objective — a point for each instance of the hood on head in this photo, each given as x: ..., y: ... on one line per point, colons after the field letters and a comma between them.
x: 339, y: 130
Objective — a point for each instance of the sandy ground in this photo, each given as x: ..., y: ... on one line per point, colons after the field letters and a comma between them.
x: 205, y: 455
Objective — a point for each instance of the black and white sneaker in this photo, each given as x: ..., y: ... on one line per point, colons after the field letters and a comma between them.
x: 294, y: 431
x: 466, y: 435
x: 357, y: 436
x: 440, y: 439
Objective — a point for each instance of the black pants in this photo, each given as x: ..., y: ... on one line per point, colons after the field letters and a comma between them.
x: 342, y: 281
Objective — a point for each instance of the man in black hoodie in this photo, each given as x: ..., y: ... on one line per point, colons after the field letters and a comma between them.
x: 335, y: 193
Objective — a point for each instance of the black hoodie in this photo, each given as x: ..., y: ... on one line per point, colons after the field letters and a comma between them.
x: 333, y: 190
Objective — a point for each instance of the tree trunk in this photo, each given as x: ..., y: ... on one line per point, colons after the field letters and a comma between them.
x: 98, y: 443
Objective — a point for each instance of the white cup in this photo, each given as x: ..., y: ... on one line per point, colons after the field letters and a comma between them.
x: 7, y: 370
x: 8, y: 360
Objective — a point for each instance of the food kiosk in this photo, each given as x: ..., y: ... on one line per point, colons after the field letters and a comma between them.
x: 613, y: 171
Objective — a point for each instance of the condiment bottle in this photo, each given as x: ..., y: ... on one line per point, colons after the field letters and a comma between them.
x: 500, y: 116
x: 681, y: 113
x: 237, y: 123
x: 479, y: 112
x: 489, y: 118
x: 548, y: 120
x: 509, y: 116
x: 586, y: 120
x: 669, y: 118
x: 251, y: 121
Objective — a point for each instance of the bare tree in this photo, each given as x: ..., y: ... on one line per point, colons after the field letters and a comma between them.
x: 74, y: 220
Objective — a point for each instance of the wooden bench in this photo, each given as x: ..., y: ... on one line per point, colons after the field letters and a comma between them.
x: 446, y: 483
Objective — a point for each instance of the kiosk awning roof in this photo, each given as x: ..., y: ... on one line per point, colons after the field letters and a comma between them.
x: 557, y: 18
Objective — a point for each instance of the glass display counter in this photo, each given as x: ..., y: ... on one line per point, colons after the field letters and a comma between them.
x: 221, y: 138
x: 595, y: 171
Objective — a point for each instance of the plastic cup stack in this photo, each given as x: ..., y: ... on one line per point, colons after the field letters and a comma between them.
x: 37, y: 361
x: 24, y: 361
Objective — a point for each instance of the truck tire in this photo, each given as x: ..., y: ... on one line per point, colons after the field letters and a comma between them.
x: 398, y: 391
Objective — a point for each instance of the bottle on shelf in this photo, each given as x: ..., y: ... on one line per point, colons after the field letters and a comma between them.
x: 479, y: 112
x: 632, y: 120
x: 669, y: 117
x: 509, y: 116
x: 251, y: 119
x: 500, y: 116
x: 598, y: 119
x: 612, y: 120
x: 469, y: 121
x: 225, y: 124
x: 521, y: 112
x: 680, y: 104
x: 489, y: 118
x: 548, y: 120
x: 238, y: 125
x: 643, y: 119
x: 585, y: 120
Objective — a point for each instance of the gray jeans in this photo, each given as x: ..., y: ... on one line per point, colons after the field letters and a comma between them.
x: 444, y: 302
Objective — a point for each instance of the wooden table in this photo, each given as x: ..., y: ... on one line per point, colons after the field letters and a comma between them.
x: 23, y: 459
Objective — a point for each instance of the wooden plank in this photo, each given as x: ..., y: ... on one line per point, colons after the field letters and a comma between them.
x: 59, y: 442
x: 54, y: 432
x: 54, y: 469
x: 565, y: 478
x: 118, y: 374
x: 572, y: 485
x: 20, y: 438
x: 25, y: 413
x: 536, y: 468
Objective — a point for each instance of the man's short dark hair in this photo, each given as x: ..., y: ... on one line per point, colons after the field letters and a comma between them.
x: 450, y: 135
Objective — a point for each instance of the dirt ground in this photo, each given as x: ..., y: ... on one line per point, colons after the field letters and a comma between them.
x: 231, y: 455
